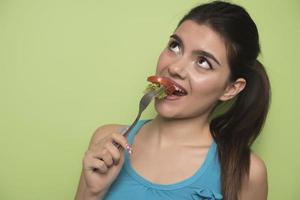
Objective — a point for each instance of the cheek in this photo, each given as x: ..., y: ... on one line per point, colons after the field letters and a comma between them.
x: 209, y: 87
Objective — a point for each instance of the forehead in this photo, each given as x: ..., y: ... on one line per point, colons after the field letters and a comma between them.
x: 201, y: 37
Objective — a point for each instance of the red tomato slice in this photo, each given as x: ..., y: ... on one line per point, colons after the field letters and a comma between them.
x: 164, y: 81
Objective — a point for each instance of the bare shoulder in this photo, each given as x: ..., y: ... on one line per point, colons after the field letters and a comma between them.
x: 105, y: 130
x: 256, y: 185
x: 258, y: 169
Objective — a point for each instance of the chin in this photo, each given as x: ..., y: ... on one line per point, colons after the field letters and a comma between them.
x: 167, y: 111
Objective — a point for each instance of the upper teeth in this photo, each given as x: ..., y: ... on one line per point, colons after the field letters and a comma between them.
x: 178, y: 89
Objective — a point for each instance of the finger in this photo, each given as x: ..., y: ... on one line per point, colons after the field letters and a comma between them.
x: 114, y: 152
x: 106, y: 157
x: 95, y: 164
x: 120, y: 139
x: 101, y: 166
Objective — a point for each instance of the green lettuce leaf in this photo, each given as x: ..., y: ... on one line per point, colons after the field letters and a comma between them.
x: 155, y: 86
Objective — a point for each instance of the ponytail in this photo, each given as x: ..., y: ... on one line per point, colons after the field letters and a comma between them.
x: 235, y: 130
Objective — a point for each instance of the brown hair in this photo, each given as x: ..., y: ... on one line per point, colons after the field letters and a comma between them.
x: 236, y: 129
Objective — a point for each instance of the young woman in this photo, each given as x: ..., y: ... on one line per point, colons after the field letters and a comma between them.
x: 182, y: 153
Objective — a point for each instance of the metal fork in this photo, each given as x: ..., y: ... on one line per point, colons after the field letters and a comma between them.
x: 144, y: 102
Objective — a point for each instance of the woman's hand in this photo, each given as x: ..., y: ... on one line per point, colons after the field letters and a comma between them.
x: 101, y: 164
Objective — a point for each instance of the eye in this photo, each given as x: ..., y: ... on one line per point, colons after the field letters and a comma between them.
x: 174, y: 46
x: 204, y: 63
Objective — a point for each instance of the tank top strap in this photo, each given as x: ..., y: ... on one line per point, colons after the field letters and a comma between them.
x: 134, y: 131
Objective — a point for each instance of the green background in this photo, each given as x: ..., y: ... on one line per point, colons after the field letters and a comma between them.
x: 69, y: 66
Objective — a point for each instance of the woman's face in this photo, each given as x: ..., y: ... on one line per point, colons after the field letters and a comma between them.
x: 196, y: 59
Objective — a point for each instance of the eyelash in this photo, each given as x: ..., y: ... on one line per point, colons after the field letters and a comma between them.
x: 171, y: 43
x: 206, y: 60
x: 171, y: 46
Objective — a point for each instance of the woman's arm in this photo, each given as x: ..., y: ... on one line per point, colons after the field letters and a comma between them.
x: 102, y: 163
x: 83, y: 192
x: 256, y: 185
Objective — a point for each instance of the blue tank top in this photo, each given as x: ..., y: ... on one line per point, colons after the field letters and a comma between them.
x: 204, y: 184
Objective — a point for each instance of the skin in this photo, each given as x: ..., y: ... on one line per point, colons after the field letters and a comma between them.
x: 195, y: 58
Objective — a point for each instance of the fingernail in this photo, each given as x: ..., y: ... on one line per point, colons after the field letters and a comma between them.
x: 130, y: 151
x: 128, y: 148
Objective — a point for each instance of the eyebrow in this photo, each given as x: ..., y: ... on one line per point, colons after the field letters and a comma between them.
x: 197, y: 52
x: 177, y: 38
x: 206, y: 54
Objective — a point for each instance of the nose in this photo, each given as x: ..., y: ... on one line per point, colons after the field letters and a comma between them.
x: 178, y: 68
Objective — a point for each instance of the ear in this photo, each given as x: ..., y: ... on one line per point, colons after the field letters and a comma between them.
x: 233, y: 89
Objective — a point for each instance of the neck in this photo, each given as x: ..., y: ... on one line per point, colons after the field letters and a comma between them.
x: 191, y: 131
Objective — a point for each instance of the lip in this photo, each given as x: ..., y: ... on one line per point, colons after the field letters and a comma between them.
x: 172, y: 97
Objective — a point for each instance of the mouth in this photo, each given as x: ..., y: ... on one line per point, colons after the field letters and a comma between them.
x: 172, y: 88
x: 178, y: 90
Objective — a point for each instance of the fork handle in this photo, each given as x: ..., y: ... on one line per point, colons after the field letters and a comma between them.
x: 132, y: 125
x: 125, y: 133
